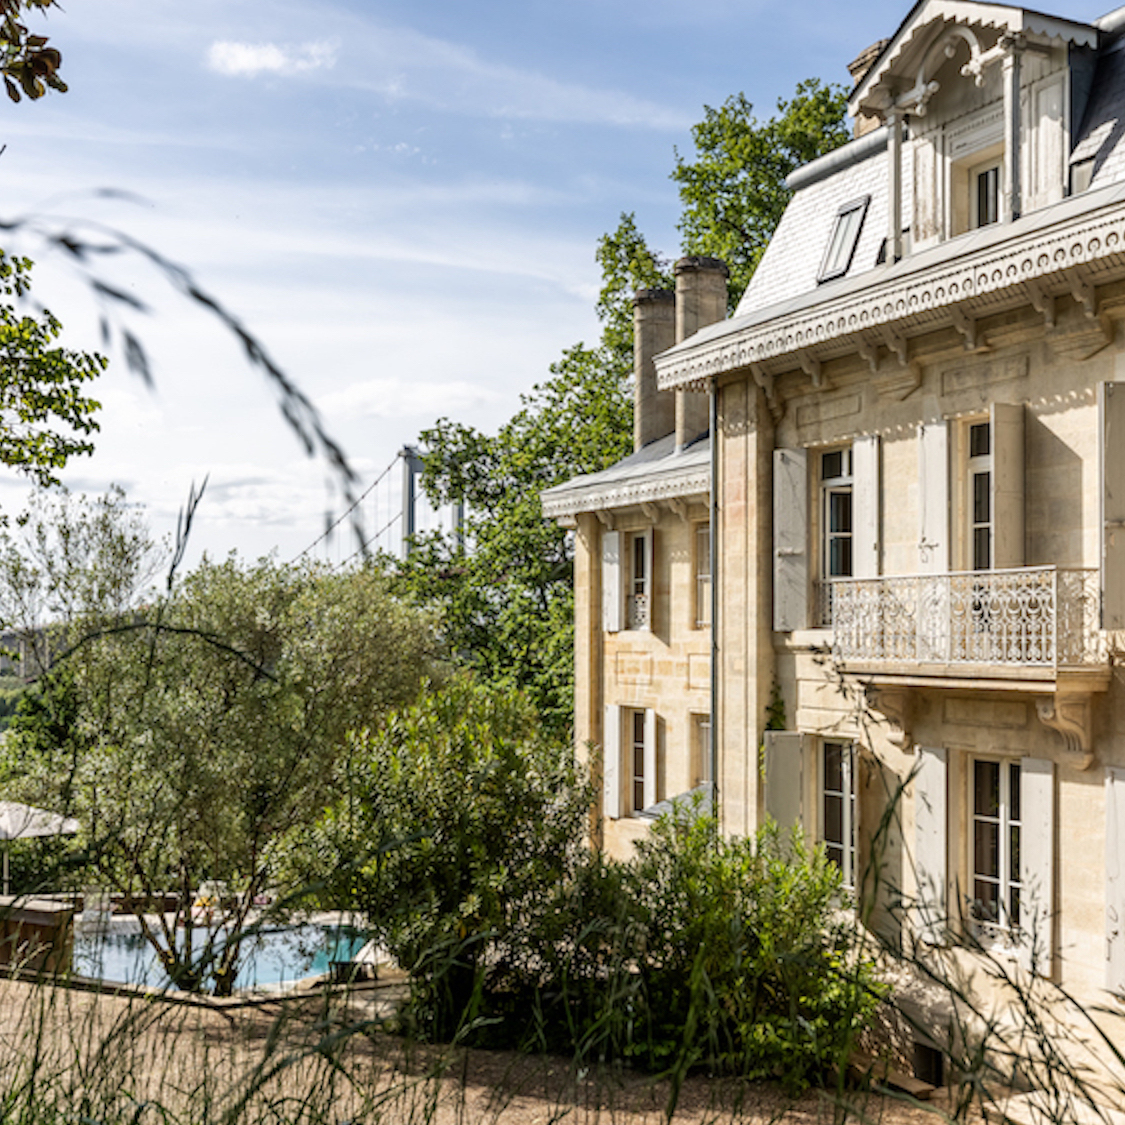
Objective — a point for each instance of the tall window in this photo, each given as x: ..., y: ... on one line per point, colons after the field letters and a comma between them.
x: 701, y: 750
x: 637, y: 760
x: 835, y: 524
x: 639, y: 587
x: 979, y: 479
x: 702, y: 575
x: 837, y: 788
x: 996, y: 843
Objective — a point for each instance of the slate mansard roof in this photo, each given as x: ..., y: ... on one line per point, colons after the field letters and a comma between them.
x: 786, y: 292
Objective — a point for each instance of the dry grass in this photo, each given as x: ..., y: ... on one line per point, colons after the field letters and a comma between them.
x: 66, y: 1054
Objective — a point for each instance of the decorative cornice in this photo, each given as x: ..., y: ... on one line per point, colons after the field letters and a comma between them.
x: 602, y: 498
x: 945, y: 290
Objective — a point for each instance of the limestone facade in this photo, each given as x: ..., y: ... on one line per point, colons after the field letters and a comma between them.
x: 917, y: 509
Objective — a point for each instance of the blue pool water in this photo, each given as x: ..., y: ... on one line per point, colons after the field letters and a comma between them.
x: 271, y: 957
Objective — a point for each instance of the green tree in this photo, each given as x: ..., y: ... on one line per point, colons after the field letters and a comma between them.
x: 45, y: 417
x: 506, y: 591
x: 733, y: 191
x: 462, y: 816
x: 209, y: 730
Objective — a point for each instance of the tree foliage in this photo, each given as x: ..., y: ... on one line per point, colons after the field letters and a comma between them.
x: 506, y: 590
x: 733, y: 191
x: 207, y: 728
x: 461, y: 814
x: 45, y: 416
x: 28, y: 63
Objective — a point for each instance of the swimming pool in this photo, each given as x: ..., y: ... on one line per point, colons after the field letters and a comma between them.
x: 271, y: 957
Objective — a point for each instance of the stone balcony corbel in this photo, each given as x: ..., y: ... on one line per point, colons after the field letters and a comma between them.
x: 896, y: 705
x: 1072, y: 716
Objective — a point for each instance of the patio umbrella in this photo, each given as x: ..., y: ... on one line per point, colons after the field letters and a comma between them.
x: 20, y: 822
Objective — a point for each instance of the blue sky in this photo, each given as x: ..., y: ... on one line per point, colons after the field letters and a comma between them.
x: 401, y: 199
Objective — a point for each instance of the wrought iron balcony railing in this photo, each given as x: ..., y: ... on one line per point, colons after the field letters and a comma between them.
x: 1034, y: 617
x: 637, y: 611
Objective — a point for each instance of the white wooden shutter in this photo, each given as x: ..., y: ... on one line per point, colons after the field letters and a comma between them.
x: 1045, y: 156
x: 1115, y: 880
x: 1111, y: 414
x: 611, y: 581
x: 933, y: 498
x: 865, y: 506
x: 790, y: 540
x: 650, y: 758
x: 930, y: 849
x: 611, y: 763
x: 785, y: 760
x: 1007, y: 484
x: 1037, y: 864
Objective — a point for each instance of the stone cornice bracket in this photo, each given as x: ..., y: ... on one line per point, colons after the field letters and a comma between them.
x: 1083, y: 291
x: 896, y: 344
x: 768, y: 386
x: 1042, y: 302
x: 869, y: 352
x: 896, y: 705
x: 651, y: 511
x: 967, y: 327
x: 679, y: 507
x: 605, y: 519
x: 811, y: 366
x: 1072, y: 716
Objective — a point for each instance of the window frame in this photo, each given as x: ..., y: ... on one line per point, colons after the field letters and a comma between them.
x: 827, y: 488
x: 1003, y: 930
x: 838, y: 258
x: 702, y: 733
x: 639, y: 586
x: 701, y: 557
x: 847, y: 844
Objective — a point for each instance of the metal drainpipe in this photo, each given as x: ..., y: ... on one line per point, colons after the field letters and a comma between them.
x: 713, y: 534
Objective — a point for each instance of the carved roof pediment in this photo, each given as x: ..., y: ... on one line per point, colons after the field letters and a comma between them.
x: 937, y: 32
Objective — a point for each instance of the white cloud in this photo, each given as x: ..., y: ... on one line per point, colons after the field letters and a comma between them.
x: 231, y: 58
x: 393, y: 398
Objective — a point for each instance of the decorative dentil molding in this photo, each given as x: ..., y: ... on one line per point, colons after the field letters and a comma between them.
x: 1042, y: 256
x: 603, y: 500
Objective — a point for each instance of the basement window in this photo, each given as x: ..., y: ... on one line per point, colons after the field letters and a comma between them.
x: 845, y: 236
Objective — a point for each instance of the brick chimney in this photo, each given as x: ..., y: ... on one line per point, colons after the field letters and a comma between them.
x: 654, y: 331
x: 701, y: 299
x: 858, y: 68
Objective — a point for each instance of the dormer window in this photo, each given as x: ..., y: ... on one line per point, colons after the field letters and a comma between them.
x: 845, y: 237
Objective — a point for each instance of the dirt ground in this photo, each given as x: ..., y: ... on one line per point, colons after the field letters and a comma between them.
x: 323, y: 1059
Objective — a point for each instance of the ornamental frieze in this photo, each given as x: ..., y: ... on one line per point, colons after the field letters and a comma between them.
x: 928, y: 296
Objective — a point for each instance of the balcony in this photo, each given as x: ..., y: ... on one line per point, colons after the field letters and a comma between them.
x: 1029, y: 629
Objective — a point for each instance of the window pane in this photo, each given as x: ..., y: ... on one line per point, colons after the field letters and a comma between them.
x: 982, y: 548
x: 1014, y: 790
x: 638, y: 728
x: 833, y: 818
x: 840, y: 511
x: 840, y: 558
x: 832, y: 465
x: 986, y: 788
x: 1014, y: 907
x: 988, y: 197
x: 986, y: 901
x: 1014, y: 853
x: 834, y: 767
x: 980, y: 440
x: 982, y: 497
x: 986, y: 849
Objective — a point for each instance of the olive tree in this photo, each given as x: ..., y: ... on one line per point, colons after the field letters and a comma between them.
x: 208, y: 729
